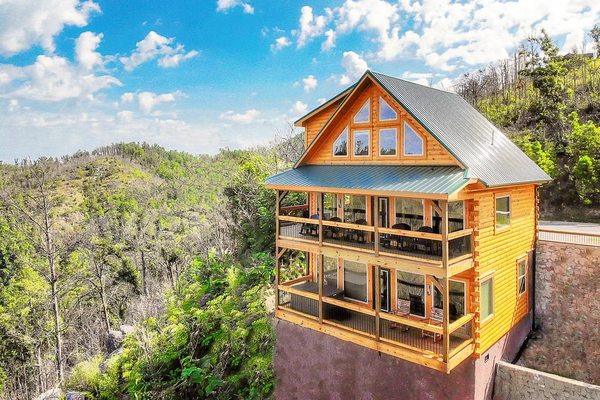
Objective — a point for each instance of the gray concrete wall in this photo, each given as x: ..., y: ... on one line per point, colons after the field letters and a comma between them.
x: 567, y: 300
x: 514, y: 382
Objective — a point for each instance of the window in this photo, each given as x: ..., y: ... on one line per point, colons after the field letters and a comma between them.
x: 502, y: 211
x: 410, y: 212
x: 361, y: 143
x: 386, y: 113
x: 413, y: 143
x: 487, y: 298
x: 412, y: 287
x: 456, y: 217
x: 329, y: 205
x: 522, y: 275
x: 355, y: 281
x: 355, y: 208
x: 364, y: 114
x: 457, y: 299
x: 340, y: 146
x: 387, y: 142
x: 330, y: 271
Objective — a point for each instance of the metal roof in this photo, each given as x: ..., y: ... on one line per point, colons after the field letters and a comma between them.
x: 481, y: 147
x: 486, y: 153
x: 376, y: 178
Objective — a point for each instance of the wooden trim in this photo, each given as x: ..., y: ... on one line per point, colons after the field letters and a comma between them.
x: 293, y: 208
x: 460, y: 356
x: 350, y: 306
x: 302, y: 293
x: 413, y: 234
x: 297, y: 280
x: 415, y: 323
x: 460, y: 322
x: 459, y: 234
x: 332, y: 101
x: 361, y: 192
x: 298, y: 219
x: 346, y: 225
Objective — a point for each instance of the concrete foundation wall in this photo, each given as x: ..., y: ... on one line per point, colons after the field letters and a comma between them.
x: 312, y: 365
x: 519, y: 383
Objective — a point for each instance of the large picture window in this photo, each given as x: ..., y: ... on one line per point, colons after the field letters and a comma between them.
x: 487, y: 298
x: 340, y: 146
x: 502, y: 211
x: 412, y: 287
x: 456, y: 217
x: 330, y: 271
x: 413, y: 143
x: 361, y: 143
x: 457, y: 299
x: 364, y: 114
x: 329, y: 205
x: 388, y: 142
x: 386, y: 113
x: 355, y: 281
x: 355, y: 208
x: 409, y: 212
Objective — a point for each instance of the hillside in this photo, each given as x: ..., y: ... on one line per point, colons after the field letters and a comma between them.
x: 549, y: 104
x: 170, y: 243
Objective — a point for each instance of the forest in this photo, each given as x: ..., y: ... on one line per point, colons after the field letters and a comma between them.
x: 173, y: 252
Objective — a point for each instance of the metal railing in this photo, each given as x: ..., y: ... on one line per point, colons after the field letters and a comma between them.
x: 582, y: 238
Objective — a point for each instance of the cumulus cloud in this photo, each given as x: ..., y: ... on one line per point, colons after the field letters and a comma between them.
x: 85, y: 50
x: 298, y: 108
x: 280, y: 43
x: 148, y: 100
x: 448, y: 34
x: 226, y: 5
x: 246, y: 117
x: 309, y: 83
x: 25, y: 23
x: 169, y: 54
x: 354, y: 65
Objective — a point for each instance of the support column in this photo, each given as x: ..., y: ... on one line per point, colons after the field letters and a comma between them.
x: 321, y: 280
x: 277, y: 256
x: 376, y: 225
x: 377, y: 301
x: 320, y: 212
x: 446, y: 286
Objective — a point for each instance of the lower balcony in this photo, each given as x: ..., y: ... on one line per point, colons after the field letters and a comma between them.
x: 417, y: 340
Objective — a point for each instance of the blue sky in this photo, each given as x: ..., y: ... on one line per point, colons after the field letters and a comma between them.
x: 206, y: 74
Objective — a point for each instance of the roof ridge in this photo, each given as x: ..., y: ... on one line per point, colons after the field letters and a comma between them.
x: 414, y: 83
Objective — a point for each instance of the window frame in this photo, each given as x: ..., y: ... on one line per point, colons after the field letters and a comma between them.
x: 344, y: 281
x: 509, y: 212
x: 347, y: 130
x: 368, y: 131
x: 368, y: 104
x: 423, y: 141
x: 523, y: 259
x: 465, y: 302
x: 488, y: 278
x: 381, y: 99
x: 424, y: 292
x: 395, y: 140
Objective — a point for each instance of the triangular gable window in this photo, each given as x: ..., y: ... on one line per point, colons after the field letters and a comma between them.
x: 413, y: 143
x: 340, y: 146
x: 386, y: 113
x: 364, y: 114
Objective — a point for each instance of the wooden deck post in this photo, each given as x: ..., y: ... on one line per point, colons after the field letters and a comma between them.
x: 321, y: 280
x: 320, y: 211
x: 277, y: 205
x: 446, y: 292
x: 376, y: 225
x: 377, y: 301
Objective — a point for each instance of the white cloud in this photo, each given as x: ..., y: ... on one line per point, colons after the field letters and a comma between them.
x: 321, y: 100
x: 148, y: 100
x: 354, y: 65
x: 298, y: 108
x: 127, y: 97
x: 157, y: 46
x: 25, y: 23
x: 280, y: 43
x: 311, y: 26
x: 246, y: 117
x: 125, y: 116
x: 226, y: 5
x: 329, y: 43
x: 309, y: 83
x: 85, y: 50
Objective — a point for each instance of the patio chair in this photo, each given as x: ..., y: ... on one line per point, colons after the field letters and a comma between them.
x: 333, y: 231
x: 314, y: 228
x: 305, y: 228
x: 402, y: 310
x: 401, y: 242
x: 425, y: 245
x: 436, y: 317
x: 361, y: 236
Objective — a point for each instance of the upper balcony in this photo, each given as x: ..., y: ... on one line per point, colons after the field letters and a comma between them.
x: 406, y: 229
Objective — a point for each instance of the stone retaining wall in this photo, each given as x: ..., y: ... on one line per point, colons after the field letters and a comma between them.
x: 514, y: 382
x: 567, y: 300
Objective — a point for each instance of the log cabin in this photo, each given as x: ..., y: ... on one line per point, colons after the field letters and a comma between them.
x: 407, y: 226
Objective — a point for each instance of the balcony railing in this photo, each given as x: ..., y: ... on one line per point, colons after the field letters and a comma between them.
x: 423, y: 336
x: 385, y: 241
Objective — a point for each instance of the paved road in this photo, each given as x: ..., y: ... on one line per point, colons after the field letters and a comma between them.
x: 570, y: 226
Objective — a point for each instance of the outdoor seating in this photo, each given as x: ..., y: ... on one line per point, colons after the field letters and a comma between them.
x: 436, y: 317
x: 425, y: 245
x: 402, y: 310
x: 401, y: 242
x: 333, y: 232
x: 361, y: 236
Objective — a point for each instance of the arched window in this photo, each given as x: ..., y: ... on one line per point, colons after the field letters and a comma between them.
x: 340, y: 146
x: 386, y: 113
x: 413, y: 143
x: 364, y: 114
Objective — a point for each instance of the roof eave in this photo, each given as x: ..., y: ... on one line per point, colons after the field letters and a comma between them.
x: 300, y: 121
